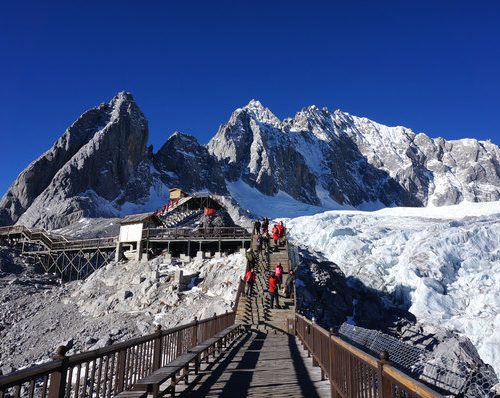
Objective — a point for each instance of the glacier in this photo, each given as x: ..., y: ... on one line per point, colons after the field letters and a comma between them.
x: 447, y: 257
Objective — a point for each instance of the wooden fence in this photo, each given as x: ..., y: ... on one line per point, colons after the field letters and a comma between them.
x: 184, y: 233
x: 53, y: 242
x: 107, y: 371
x: 352, y: 372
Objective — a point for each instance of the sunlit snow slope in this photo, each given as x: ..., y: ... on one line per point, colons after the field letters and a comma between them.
x: 448, y: 258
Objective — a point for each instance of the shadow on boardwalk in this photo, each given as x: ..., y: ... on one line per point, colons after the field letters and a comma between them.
x: 259, y: 365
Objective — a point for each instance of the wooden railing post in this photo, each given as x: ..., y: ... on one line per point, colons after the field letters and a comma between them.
x: 179, y: 343
x: 313, y: 345
x: 350, y: 376
x: 307, y: 339
x: 57, y: 385
x: 158, y: 349
x: 195, y: 331
x: 384, y: 387
x: 331, y: 362
x: 331, y: 332
x: 120, y: 370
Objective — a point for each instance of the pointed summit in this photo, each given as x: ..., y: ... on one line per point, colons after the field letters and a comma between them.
x: 261, y: 113
x: 255, y: 104
x: 124, y: 96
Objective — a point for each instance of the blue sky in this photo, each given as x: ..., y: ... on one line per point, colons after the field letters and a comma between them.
x: 433, y: 66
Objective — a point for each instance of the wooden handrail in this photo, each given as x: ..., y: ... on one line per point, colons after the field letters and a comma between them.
x: 56, y: 371
x: 25, y: 375
x: 409, y: 383
x: 359, y: 354
x: 342, y: 356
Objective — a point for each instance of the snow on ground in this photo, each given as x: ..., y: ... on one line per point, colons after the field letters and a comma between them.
x: 447, y: 258
x: 158, y: 196
x: 283, y: 205
x: 279, y: 205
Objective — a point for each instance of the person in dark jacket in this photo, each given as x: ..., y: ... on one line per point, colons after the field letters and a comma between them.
x: 265, y: 224
x: 251, y: 260
x: 256, y: 227
x: 273, y: 290
x: 260, y: 243
x: 289, y: 284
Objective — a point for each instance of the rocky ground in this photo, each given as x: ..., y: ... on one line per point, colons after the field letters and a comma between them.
x: 118, y: 302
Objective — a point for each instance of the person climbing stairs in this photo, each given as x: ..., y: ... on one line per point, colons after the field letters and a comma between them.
x: 255, y: 311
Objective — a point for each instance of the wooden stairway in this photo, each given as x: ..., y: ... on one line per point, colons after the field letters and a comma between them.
x: 254, y: 312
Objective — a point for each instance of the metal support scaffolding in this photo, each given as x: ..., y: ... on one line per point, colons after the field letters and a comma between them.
x: 74, y: 265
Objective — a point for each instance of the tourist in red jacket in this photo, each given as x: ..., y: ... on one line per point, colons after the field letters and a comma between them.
x: 273, y: 290
x: 276, y: 235
x: 281, y: 230
x: 278, y: 271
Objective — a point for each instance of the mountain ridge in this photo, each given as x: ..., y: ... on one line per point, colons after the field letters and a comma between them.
x: 101, y: 165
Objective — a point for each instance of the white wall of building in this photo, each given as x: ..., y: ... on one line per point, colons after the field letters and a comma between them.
x: 131, y: 232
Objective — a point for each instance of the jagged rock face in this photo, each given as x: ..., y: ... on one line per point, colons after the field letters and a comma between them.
x: 354, y: 160
x: 101, y: 167
x: 436, y: 172
x: 188, y: 164
x: 92, y: 162
x: 321, y: 288
x: 252, y: 147
x: 38, y: 175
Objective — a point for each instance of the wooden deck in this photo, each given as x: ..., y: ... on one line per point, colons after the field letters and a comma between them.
x: 265, y: 361
x: 259, y: 365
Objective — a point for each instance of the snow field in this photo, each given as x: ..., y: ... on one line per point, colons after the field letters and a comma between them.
x: 448, y: 258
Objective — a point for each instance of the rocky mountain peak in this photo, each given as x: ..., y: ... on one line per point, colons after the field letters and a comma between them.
x: 180, y: 142
x: 255, y: 104
x: 318, y: 121
x: 260, y: 113
x: 123, y: 96
x: 182, y: 137
x: 188, y: 164
x: 100, y: 166
x: 92, y: 161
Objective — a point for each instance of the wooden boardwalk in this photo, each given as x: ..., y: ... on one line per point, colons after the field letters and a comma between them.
x: 259, y: 365
x: 265, y: 361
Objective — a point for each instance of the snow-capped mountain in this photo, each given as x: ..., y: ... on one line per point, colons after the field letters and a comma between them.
x: 438, y: 263
x: 319, y: 157
x: 101, y: 167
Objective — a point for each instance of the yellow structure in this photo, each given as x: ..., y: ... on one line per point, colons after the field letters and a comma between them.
x: 177, y: 193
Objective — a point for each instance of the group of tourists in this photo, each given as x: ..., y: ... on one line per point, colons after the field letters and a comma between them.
x: 261, y: 230
x: 275, y: 284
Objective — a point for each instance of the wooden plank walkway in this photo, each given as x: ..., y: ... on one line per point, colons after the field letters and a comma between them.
x: 265, y: 361
x: 255, y: 311
x: 259, y: 365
